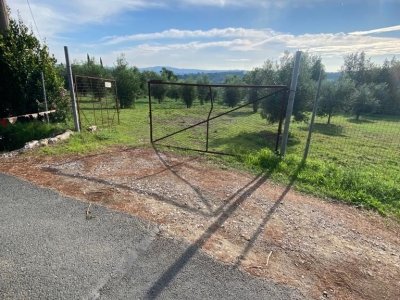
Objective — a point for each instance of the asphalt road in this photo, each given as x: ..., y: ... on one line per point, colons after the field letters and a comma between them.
x: 49, y: 250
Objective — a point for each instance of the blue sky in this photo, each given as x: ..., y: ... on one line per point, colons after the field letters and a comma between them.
x: 214, y: 34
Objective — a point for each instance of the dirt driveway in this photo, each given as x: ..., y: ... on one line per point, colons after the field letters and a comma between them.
x: 327, y: 250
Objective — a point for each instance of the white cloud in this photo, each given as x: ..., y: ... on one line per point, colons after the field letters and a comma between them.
x: 243, y: 39
x: 225, y: 48
x: 181, y: 34
x: 245, y: 48
x: 250, y: 3
x: 378, y: 30
x: 57, y: 17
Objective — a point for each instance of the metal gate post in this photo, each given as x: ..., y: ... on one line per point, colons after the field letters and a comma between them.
x: 150, y: 114
x: 209, y: 114
x: 278, y: 136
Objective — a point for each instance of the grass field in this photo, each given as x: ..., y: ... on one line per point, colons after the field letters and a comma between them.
x: 352, y: 161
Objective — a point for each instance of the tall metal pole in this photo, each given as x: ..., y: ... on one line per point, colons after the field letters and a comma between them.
x: 314, y: 112
x: 289, y: 109
x: 150, y: 112
x: 72, y: 91
x: 45, y: 97
x: 4, y: 22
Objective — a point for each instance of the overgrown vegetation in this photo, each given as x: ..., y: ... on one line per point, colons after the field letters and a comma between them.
x: 22, y: 60
x: 15, y: 136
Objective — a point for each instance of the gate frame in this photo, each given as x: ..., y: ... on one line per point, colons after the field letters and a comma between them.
x: 281, y: 89
x: 116, y: 110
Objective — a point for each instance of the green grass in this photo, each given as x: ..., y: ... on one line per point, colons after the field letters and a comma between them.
x: 353, y: 161
x: 16, y: 135
x: 364, y: 186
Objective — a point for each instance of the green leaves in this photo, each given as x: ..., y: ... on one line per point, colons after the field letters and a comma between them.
x: 22, y: 59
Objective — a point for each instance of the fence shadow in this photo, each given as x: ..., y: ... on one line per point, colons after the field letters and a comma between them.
x: 245, y: 141
x: 235, y: 114
x: 222, y: 214
x: 197, y: 190
x: 168, y: 167
x: 154, y: 195
x: 327, y: 129
x: 360, y: 121
x: 170, y: 274
x: 261, y: 228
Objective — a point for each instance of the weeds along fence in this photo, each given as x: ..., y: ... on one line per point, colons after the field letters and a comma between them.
x: 220, y: 119
x: 97, y: 101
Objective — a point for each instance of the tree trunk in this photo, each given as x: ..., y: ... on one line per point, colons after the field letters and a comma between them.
x: 329, y: 118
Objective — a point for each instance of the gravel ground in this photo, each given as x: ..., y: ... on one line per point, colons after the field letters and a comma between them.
x: 322, y: 248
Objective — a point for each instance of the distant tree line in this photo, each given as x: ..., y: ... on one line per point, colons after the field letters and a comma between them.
x: 361, y: 88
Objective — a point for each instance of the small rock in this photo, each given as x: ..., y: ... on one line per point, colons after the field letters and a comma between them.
x: 31, y: 145
x: 92, y: 128
x: 43, y: 142
x: 247, y: 238
x: 64, y: 136
x: 325, y: 294
x: 52, y: 140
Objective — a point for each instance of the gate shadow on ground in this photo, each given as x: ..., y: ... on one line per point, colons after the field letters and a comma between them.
x: 222, y: 214
x: 260, y: 229
x: 197, y: 190
x: 170, y: 274
x: 168, y: 167
x: 154, y: 195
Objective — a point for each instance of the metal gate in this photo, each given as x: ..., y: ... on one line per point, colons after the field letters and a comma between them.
x: 178, y: 119
x: 97, y: 101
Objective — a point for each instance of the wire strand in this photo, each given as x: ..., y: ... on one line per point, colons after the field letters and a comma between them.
x: 34, y: 21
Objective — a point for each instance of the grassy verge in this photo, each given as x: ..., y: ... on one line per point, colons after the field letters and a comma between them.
x: 352, y: 161
x: 363, y: 187
x: 15, y: 136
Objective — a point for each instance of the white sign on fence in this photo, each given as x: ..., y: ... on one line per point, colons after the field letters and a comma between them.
x: 107, y: 84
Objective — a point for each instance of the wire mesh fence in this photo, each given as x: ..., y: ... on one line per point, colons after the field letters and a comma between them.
x: 368, y: 143
x: 97, y: 101
x: 219, y: 119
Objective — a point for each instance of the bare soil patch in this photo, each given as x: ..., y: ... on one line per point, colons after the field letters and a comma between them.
x: 325, y: 249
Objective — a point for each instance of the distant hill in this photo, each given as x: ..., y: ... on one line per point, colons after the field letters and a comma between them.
x: 332, y: 75
x: 182, y: 71
x: 215, y: 77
